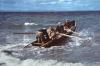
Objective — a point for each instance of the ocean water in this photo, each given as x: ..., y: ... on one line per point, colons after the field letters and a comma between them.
x: 82, y: 50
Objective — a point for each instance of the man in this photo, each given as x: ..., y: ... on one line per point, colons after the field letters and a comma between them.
x: 40, y: 37
x: 51, y: 32
x: 42, y: 33
x: 60, y: 28
x: 44, y: 30
x: 69, y: 26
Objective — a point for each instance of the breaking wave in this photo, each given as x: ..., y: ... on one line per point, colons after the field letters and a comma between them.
x: 6, y: 60
x: 27, y: 23
x: 78, y: 52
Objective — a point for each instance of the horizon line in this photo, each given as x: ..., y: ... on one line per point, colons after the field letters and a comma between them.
x: 57, y: 11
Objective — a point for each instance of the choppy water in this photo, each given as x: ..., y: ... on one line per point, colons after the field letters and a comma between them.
x: 83, y: 51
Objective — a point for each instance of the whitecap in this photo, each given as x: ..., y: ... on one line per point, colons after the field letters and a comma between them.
x: 27, y: 23
x: 12, y: 61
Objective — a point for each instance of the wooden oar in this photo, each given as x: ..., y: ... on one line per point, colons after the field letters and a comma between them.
x: 24, y: 33
x: 69, y: 30
x: 80, y: 38
x: 27, y: 46
x: 71, y: 36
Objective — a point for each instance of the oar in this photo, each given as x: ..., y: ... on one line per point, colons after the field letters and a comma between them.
x: 69, y: 30
x: 25, y: 33
x: 73, y: 36
x: 27, y: 46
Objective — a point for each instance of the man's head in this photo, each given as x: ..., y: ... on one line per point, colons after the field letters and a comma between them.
x: 59, y: 23
x: 67, y: 20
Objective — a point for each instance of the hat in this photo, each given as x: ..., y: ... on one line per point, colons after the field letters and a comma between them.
x: 59, y: 23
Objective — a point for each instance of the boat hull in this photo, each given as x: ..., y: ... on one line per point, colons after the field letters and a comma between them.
x: 56, y: 42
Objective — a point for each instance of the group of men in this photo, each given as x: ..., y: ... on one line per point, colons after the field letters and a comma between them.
x: 44, y: 35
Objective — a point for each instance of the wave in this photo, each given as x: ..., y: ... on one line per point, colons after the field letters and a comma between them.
x: 17, y: 24
x: 6, y: 60
x: 72, y: 55
x: 80, y: 53
x: 27, y: 23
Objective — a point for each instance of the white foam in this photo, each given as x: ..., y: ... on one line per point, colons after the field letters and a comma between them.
x: 27, y: 23
x: 10, y: 46
x: 12, y: 61
x: 83, y: 37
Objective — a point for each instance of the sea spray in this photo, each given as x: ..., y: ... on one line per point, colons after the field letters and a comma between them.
x: 12, y: 61
x: 56, y: 56
x: 29, y: 24
x: 84, y: 37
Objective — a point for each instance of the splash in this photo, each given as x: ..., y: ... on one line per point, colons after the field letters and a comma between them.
x: 6, y: 60
x: 37, y: 56
x: 84, y: 38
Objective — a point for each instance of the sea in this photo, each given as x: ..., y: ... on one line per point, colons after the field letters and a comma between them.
x: 83, y: 49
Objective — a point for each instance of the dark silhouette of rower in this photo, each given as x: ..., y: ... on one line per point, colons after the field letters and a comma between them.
x: 42, y: 35
x: 69, y: 26
x: 44, y: 30
x: 60, y: 28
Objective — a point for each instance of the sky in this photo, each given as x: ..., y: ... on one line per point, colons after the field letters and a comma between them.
x: 49, y: 5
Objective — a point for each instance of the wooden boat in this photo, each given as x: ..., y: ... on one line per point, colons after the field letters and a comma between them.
x: 60, y: 39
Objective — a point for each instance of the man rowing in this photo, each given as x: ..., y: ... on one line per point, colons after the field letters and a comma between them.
x: 59, y: 28
x: 51, y: 32
x: 42, y: 35
x: 54, y: 35
x: 69, y: 26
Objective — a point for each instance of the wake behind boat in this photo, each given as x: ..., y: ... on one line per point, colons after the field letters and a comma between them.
x: 54, y: 35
